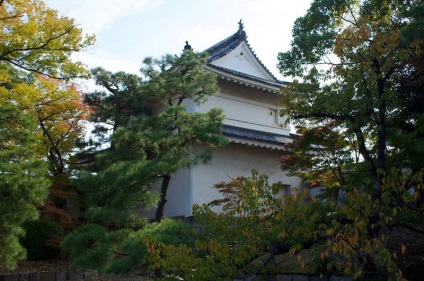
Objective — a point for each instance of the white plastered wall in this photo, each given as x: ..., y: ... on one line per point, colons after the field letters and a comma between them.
x: 232, y: 160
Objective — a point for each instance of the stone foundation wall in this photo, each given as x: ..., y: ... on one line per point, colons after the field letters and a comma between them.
x: 43, y: 276
x: 65, y: 276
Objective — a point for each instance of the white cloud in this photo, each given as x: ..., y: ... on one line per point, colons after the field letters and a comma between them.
x: 93, y: 15
x: 128, y: 30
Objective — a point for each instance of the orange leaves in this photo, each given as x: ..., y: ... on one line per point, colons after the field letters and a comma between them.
x: 403, y: 249
x: 416, y: 195
x: 301, y: 261
x: 245, y: 233
x: 154, y: 249
x: 324, y: 255
x: 352, y: 37
x: 58, y: 109
x: 248, y: 197
x: 59, y: 112
x: 283, y: 235
x: 369, y: 46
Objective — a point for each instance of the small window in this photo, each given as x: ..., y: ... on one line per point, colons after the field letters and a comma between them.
x: 285, y: 190
x: 273, y: 117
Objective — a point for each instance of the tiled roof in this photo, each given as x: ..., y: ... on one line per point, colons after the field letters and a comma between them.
x: 256, y: 135
x: 250, y: 77
x: 230, y: 43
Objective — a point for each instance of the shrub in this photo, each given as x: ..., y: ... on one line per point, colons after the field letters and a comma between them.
x: 42, y: 239
x: 96, y: 247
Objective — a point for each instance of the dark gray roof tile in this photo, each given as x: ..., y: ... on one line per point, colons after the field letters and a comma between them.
x: 255, y: 134
x: 279, y: 83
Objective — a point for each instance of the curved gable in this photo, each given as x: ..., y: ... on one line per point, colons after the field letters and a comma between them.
x: 234, y: 55
x: 241, y: 59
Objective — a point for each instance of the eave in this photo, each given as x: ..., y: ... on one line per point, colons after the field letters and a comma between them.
x: 256, y: 138
x: 246, y: 80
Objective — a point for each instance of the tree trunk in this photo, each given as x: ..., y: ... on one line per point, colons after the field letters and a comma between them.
x: 162, y: 201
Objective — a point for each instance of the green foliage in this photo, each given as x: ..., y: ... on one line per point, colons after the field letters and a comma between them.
x: 42, y: 239
x: 255, y: 223
x: 23, y: 185
x: 361, y: 66
x: 255, y: 227
x: 35, y: 38
x: 321, y: 155
x: 60, y: 113
x: 152, y: 135
x: 114, y: 106
x: 93, y: 246
x: 92, y: 241
x: 176, y: 78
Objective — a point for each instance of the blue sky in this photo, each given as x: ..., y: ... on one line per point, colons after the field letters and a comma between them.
x: 129, y: 30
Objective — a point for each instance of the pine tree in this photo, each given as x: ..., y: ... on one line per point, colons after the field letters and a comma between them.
x: 152, y: 137
x: 23, y: 182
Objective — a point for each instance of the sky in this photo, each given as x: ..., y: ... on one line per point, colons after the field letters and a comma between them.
x: 129, y: 30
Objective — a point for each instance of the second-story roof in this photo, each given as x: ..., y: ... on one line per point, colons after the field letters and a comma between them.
x: 257, y: 138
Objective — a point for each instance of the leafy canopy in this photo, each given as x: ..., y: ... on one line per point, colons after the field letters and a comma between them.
x: 35, y: 38
x: 360, y: 63
x: 366, y: 54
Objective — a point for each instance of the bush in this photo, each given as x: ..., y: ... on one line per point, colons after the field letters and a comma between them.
x: 96, y: 247
x: 42, y: 239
